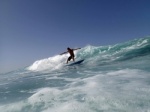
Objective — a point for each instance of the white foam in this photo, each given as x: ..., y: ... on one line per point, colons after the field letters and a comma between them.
x: 51, y: 63
x: 15, y: 107
x: 70, y: 106
x: 43, y: 95
x: 121, y: 90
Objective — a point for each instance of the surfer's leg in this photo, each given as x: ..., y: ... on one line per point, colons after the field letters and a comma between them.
x: 69, y: 59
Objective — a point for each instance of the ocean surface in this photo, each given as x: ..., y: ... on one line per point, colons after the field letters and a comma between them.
x: 114, y: 78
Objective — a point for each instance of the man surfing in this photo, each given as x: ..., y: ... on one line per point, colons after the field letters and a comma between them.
x: 70, y: 51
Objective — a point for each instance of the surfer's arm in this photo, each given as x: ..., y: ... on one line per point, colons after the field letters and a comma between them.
x: 64, y: 53
x: 76, y: 48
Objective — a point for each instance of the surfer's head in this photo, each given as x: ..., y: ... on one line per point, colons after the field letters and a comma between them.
x: 68, y: 48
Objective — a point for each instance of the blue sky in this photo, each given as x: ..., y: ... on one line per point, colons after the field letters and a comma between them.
x: 35, y: 29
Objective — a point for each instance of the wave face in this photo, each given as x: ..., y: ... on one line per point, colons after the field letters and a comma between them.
x: 114, y: 78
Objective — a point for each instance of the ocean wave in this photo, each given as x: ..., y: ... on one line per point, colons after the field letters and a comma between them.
x: 98, y: 55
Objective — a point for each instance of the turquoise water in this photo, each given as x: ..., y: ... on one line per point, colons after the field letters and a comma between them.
x: 114, y: 78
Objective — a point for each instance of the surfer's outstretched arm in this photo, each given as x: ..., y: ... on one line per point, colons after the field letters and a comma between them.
x: 64, y: 53
x: 76, y: 48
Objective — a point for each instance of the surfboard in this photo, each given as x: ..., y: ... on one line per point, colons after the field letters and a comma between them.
x: 76, y: 63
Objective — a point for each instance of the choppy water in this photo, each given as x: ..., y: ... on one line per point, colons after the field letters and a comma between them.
x: 113, y: 78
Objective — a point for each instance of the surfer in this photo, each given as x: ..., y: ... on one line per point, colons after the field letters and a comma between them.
x: 70, y: 51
